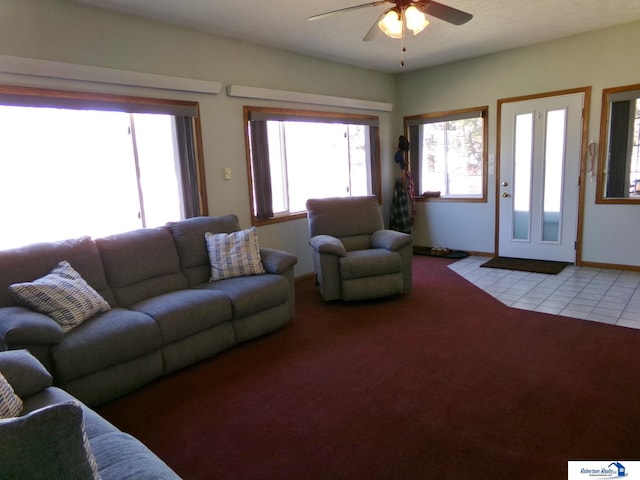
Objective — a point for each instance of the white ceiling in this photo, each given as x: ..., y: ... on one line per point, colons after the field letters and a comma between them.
x: 496, y: 25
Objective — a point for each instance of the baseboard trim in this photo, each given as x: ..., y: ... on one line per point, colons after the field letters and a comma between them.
x: 610, y: 266
x: 304, y: 277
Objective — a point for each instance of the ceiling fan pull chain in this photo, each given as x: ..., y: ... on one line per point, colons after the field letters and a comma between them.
x: 402, y: 47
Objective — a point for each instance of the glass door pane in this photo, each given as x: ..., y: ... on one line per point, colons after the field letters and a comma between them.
x: 523, y: 160
x: 553, y: 175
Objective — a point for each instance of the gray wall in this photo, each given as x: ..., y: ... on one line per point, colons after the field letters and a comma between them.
x: 65, y: 32
x: 601, y: 59
x: 59, y: 31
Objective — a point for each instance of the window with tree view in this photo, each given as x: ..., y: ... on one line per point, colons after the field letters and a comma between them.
x: 297, y: 155
x: 448, y: 153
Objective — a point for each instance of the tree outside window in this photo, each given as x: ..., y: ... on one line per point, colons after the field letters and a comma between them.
x: 296, y: 155
x: 448, y: 154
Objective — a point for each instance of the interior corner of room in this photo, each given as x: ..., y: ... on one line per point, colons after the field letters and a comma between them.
x: 219, y: 74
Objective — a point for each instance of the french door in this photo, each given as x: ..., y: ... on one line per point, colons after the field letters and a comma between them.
x: 540, y: 145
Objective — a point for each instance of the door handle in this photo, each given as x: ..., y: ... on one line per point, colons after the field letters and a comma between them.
x: 505, y: 195
x: 505, y: 184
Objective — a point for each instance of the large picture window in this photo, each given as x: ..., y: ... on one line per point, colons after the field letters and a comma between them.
x: 297, y: 155
x: 78, y: 164
x: 448, y: 154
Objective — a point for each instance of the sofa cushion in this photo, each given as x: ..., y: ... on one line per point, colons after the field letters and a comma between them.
x: 10, y: 403
x: 235, y: 254
x: 63, y: 295
x: 94, y: 424
x: 34, y: 261
x: 24, y: 372
x: 109, y: 339
x: 189, y: 238
x: 123, y: 457
x: 252, y: 294
x: 141, y: 264
x: 47, y: 443
x: 186, y: 312
x: 369, y: 263
x: 192, y: 247
x: 46, y: 397
x: 118, y: 455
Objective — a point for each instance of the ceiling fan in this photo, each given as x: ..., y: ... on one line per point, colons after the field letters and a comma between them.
x: 411, y: 11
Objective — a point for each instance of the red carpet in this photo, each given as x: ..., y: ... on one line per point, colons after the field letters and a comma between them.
x: 445, y: 382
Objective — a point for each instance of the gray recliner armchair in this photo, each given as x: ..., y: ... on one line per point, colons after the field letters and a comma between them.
x: 354, y: 257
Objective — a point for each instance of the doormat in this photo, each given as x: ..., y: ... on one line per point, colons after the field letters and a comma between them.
x: 526, y: 265
x: 441, y: 252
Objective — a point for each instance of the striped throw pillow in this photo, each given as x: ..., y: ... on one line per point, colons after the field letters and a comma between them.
x: 235, y: 254
x: 10, y: 403
x: 63, y: 295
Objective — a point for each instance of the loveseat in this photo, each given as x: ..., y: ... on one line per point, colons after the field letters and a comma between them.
x: 163, y: 311
x: 46, y: 437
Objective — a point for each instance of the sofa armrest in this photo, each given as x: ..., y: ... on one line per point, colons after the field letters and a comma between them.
x: 21, y: 326
x: 390, y: 239
x: 24, y: 372
x: 328, y: 244
x: 277, y: 261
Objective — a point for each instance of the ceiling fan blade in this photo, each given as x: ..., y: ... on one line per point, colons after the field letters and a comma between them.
x: 355, y: 7
x: 444, y: 12
x: 374, y: 32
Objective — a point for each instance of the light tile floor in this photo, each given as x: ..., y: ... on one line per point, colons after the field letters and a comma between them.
x: 601, y: 295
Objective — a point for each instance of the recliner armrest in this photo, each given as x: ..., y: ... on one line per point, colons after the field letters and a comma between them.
x: 390, y: 239
x: 328, y: 244
x: 21, y: 326
x: 277, y: 261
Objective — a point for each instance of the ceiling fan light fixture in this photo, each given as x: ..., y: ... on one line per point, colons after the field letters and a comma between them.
x: 415, y: 19
x: 391, y: 24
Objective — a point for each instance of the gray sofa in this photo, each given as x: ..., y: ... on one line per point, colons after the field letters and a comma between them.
x: 165, y: 314
x: 46, y: 444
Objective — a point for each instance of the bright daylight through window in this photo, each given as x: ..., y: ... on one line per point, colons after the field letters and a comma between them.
x: 294, y: 156
x: 448, y: 154
x: 67, y: 172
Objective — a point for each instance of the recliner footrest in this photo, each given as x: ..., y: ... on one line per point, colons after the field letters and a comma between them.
x: 369, y: 263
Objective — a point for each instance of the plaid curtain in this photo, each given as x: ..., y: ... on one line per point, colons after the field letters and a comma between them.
x: 401, y: 217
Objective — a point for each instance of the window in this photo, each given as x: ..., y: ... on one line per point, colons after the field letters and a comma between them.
x: 297, y: 155
x: 622, y: 178
x: 448, y: 154
x: 78, y: 164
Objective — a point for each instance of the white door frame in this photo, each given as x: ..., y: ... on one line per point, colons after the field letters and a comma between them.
x: 586, y: 92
